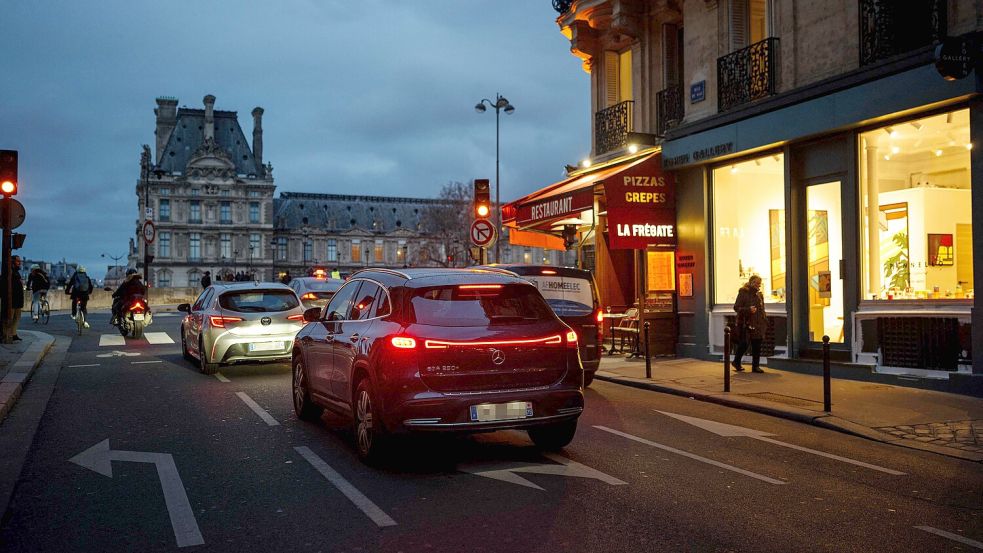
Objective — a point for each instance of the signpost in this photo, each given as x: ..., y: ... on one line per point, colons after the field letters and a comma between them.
x: 483, y: 235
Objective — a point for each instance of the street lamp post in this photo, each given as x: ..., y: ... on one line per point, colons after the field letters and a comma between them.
x: 115, y: 259
x: 500, y: 103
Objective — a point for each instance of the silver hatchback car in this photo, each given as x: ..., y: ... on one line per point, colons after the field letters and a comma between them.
x: 240, y: 321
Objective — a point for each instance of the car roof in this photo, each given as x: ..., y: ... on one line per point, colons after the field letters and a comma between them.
x: 304, y: 280
x: 440, y: 276
x: 530, y: 269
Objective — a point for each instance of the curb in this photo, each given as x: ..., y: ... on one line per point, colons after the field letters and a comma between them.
x: 21, y: 370
x: 823, y: 420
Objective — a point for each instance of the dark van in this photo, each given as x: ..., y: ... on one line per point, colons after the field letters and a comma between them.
x: 572, y: 294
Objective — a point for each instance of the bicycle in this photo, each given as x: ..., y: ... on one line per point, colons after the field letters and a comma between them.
x: 41, y: 311
x: 79, y: 315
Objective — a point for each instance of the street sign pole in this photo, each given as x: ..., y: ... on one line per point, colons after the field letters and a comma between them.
x: 7, y: 265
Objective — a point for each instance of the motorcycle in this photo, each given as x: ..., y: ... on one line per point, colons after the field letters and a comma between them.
x: 134, y: 317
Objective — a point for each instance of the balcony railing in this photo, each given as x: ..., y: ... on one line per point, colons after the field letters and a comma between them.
x: 611, y: 127
x: 889, y: 27
x: 747, y: 74
x: 669, y: 102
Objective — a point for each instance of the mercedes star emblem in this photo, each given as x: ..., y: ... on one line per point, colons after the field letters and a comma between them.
x: 498, y: 356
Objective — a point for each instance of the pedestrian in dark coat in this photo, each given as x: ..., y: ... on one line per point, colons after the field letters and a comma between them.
x: 206, y: 280
x: 751, y: 323
x: 16, y: 301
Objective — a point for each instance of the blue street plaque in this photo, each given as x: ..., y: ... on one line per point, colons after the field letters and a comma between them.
x: 697, y: 92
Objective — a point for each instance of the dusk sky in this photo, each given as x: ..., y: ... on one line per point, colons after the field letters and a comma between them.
x: 360, y: 97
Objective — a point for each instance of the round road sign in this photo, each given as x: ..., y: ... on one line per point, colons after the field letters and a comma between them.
x: 482, y: 233
x: 149, y: 232
x: 17, y: 214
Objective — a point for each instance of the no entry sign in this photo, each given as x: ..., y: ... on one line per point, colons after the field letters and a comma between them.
x: 482, y: 233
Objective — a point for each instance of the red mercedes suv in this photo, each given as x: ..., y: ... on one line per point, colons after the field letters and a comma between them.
x: 446, y: 350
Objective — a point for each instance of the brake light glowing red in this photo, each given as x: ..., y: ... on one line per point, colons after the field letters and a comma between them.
x: 441, y: 344
x: 549, y: 272
x: 219, y: 321
x: 480, y: 287
x: 309, y: 296
x: 137, y: 306
x: 295, y: 318
x: 403, y: 342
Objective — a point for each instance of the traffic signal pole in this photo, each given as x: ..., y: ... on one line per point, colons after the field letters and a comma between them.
x: 7, y: 277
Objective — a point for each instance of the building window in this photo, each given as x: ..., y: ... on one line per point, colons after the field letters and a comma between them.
x: 253, y: 212
x: 195, y: 214
x: 749, y: 228
x: 379, y: 255
x: 254, y: 194
x: 225, y: 245
x: 356, y: 251
x: 165, y: 210
x: 194, y: 247
x: 332, y: 253
x: 225, y: 213
x: 254, y: 246
x: 401, y: 253
x: 164, y: 248
x: 916, y: 218
x: 225, y: 192
x: 195, y: 192
x: 163, y: 278
x: 164, y: 191
x: 281, y: 248
x: 308, y: 250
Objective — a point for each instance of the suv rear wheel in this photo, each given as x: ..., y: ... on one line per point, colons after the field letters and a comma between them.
x: 370, y: 437
x: 554, y: 436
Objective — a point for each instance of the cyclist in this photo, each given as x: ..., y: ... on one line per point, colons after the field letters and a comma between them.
x: 131, y: 286
x: 38, y: 284
x: 79, y: 287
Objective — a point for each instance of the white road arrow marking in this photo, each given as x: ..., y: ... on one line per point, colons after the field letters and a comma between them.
x: 693, y: 456
x: 566, y: 467
x: 951, y: 536
x: 729, y: 430
x: 118, y: 353
x: 99, y: 458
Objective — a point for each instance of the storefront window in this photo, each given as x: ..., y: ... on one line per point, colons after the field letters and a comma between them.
x: 916, y: 220
x: 749, y: 227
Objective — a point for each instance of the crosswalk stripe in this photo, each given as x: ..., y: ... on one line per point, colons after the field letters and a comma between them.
x: 158, y: 338
x: 111, y: 340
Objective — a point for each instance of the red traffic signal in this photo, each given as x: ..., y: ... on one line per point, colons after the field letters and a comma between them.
x: 482, y: 199
x: 8, y: 172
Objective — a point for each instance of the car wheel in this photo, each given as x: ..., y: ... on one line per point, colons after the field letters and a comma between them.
x: 553, y: 436
x: 306, y: 409
x: 370, y: 437
x: 588, y: 378
x: 203, y: 364
x: 184, y: 348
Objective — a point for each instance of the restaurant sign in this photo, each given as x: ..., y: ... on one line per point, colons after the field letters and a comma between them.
x: 641, y: 203
x: 555, y: 207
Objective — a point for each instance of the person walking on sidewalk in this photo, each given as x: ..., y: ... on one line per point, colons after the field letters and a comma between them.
x: 16, y: 302
x: 751, y: 323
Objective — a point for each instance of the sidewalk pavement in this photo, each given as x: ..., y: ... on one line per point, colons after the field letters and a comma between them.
x: 17, y: 363
x: 948, y: 424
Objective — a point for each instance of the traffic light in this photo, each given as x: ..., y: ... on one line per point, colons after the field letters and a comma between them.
x: 8, y: 172
x: 482, y: 199
x: 569, y: 236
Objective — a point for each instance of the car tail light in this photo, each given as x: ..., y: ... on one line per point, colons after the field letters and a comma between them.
x: 441, y: 344
x: 403, y: 342
x: 309, y: 296
x: 549, y: 272
x: 296, y: 317
x: 219, y: 321
x: 600, y: 316
x: 571, y: 339
x: 600, y: 326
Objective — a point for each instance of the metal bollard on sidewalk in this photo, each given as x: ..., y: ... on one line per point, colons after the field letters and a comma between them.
x: 726, y: 358
x: 648, y: 358
x: 827, y: 401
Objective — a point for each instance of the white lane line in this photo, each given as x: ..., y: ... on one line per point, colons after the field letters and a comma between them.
x: 158, y: 338
x: 257, y: 409
x: 221, y: 377
x: 144, y: 362
x: 951, y: 536
x: 371, y: 510
x: 80, y: 366
x: 831, y: 456
x: 111, y: 340
x: 693, y: 456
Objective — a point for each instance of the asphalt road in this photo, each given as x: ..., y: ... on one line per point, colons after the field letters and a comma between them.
x: 255, y: 478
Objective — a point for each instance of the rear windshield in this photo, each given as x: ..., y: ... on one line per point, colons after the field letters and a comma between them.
x: 325, y: 285
x: 258, y: 301
x: 568, y: 296
x: 477, y: 306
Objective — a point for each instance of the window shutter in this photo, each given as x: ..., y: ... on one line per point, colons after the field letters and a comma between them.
x: 670, y: 46
x: 610, y: 78
x: 738, y: 24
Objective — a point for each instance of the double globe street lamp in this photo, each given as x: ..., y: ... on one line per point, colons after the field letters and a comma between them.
x: 500, y: 104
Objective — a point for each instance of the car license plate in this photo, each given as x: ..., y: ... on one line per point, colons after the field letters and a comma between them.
x: 266, y: 346
x: 501, y: 411
x: 138, y: 316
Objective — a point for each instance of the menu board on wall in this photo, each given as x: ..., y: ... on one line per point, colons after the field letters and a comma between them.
x: 659, y: 303
x: 660, y: 271
x: 686, y: 285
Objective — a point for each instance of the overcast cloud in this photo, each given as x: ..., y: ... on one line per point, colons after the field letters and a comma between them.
x: 361, y: 96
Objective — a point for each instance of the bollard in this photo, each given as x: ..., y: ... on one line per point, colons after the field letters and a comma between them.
x: 648, y: 358
x: 726, y: 358
x: 827, y: 402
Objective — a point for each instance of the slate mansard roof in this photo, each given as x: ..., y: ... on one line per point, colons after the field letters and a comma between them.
x: 188, y: 135
x: 380, y: 214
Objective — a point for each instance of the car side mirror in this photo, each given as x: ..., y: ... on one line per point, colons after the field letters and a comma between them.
x: 185, y: 307
x: 108, y: 289
x: 312, y: 314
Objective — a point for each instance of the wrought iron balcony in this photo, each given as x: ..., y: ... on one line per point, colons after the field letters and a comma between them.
x: 612, y: 125
x: 747, y: 74
x: 889, y: 27
x: 669, y: 102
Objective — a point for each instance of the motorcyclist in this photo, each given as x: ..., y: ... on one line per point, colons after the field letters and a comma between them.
x: 79, y: 287
x: 131, y: 286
